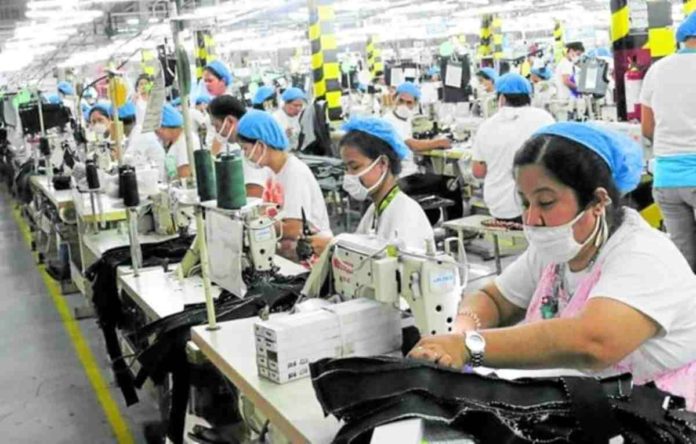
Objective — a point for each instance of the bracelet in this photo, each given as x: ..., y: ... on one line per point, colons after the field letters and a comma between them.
x: 471, y: 315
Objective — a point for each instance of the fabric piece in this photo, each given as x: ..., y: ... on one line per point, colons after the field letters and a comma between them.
x: 145, y: 149
x: 496, y: 142
x: 640, y: 266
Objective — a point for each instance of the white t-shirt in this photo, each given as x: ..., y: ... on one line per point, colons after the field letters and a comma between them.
x: 255, y: 176
x: 405, y: 129
x: 289, y: 123
x: 301, y: 190
x: 565, y: 68
x: 496, y: 142
x: 669, y: 89
x: 178, y: 154
x: 641, y: 268
x: 403, y: 216
x: 145, y: 149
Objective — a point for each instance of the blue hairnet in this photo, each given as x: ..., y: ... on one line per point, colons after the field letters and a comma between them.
x: 543, y: 73
x: 687, y: 28
x: 176, y: 102
x: 488, y: 73
x: 103, y: 107
x: 171, y: 117
x: 260, y: 125
x: 380, y: 129
x: 621, y: 153
x: 433, y: 70
x: 66, y: 88
x: 203, y: 99
x: 409, y: 88
x: 127, y: 111
x: 53, y: 99
x: 221, y: 71
x: 292, y: 94
x: 512, y: 83
x: 263, y: 93
x: 85, y: 110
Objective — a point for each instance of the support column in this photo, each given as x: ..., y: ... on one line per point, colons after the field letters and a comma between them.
x: 558, y: 43
x: 147, y: 62
x: 325, y: 67
x: 661, y: 39
x: 485, y: 45
x: 204, y: 51
x: 689, y: 7
x: 374, y: 56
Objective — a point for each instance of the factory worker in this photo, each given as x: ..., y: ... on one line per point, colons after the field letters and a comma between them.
x: 565, y: 71
x: 498, y: 139
x: 200, y: 121
x: 668, y: 102
x: 486, y: 78
x: 225, y: 113
x: 265, y: 99
x: 141, y: 149
x: 288, y: 116
x: 372, y: 152
x: 66, y: 92
x: 411, y: 181
x: 143, y: 86
x: 294, y: 186
x: 217, y: 78
x: 171, y: 133
x: 599, y: 290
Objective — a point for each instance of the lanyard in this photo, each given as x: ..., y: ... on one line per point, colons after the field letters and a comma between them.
x: 383, y: 205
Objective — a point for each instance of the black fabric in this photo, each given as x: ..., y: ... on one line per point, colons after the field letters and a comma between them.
x: 369, y: 392
x: 22, y: 182
x: 423, y: 184
x: 102, y: 275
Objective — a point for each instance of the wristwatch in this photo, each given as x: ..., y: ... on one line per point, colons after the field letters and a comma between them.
x: 476, y: 344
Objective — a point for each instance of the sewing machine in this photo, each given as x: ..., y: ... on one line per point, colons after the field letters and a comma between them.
x: 366, y: 266
x: 241, y: 243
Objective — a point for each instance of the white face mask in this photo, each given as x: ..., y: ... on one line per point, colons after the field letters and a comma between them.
x: 100, y: 129
x: 404, y: 112
x: 574, y: 58
x: 257, y: 165
x: 558, y: 244
x: 354, y: 186
x: 223, y: 138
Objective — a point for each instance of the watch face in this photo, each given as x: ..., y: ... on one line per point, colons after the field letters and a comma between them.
x: 475, y: 343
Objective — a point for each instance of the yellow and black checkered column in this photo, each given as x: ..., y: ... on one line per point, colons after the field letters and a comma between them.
x: 497, y: 29
x: 204, y: 51
x: 485, y: 45
x: 374, y: 56
x: 689, y: 7
x: 148, y: 62
x: 558, y: 43
x: 661, y: 39
x: 325, y: 67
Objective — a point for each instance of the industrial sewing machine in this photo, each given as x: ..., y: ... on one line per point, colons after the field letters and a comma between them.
x: 365, y: 266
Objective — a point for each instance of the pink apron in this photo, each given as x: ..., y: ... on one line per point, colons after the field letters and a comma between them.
x: 680, y: 382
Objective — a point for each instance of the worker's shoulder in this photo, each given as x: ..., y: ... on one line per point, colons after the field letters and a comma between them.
x: 675, y: 62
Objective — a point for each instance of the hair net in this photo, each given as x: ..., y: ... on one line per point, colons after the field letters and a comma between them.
x: 488, y: 73
x: 380, y: 129
x: 176, y: 102
x: 543, y: 73
x: 203, y: 99
x: 622, y: 154
x: 171, y: 117
x: 512, y: 83
x: 409, y: 88
x: 260, y: 125
x: 102, y: 107
x: 53, y: 99
x: 66, y: 88
x: 221, y: 71
x: 127, y: 111
x: 433, y: 70
x: 263, y: 93
x: 687, y: 28
x: 292, y: 94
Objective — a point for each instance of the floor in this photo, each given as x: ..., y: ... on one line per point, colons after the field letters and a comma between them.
x: 46, y: 394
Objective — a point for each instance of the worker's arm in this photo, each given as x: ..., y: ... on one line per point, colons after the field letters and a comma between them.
x: 254, y: 190
x: 569, y: 83
x: 418, y: 146
x: 593, y: 340
x: 479, y: 169
x: 647, y: 122
x: 183, y: 171
x: 320, y: 242
x: 215, y: 147
x: 292, y: 229
x: 491, y: 308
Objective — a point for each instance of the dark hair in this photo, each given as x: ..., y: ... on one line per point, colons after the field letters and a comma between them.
x: 213, y: 72
x: 484, y: 75
x: 130, y: 120
x: 98, y: 111
x: 372, y: 147
x: 576, y: 46
x: 142, y: 77
x: 243, y: 139
x: 575, y: 166
x: 226, y: 105
x: 517, y: 100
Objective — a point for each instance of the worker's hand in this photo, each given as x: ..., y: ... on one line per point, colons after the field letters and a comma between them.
x: 446, y: 350
x: 319, y: 243
x: 444, y: 144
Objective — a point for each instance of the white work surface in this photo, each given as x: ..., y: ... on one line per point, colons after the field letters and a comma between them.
x: 113, y: 209
x: 292, y: 408
x: 161, y: 294
x: 59, y: 198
